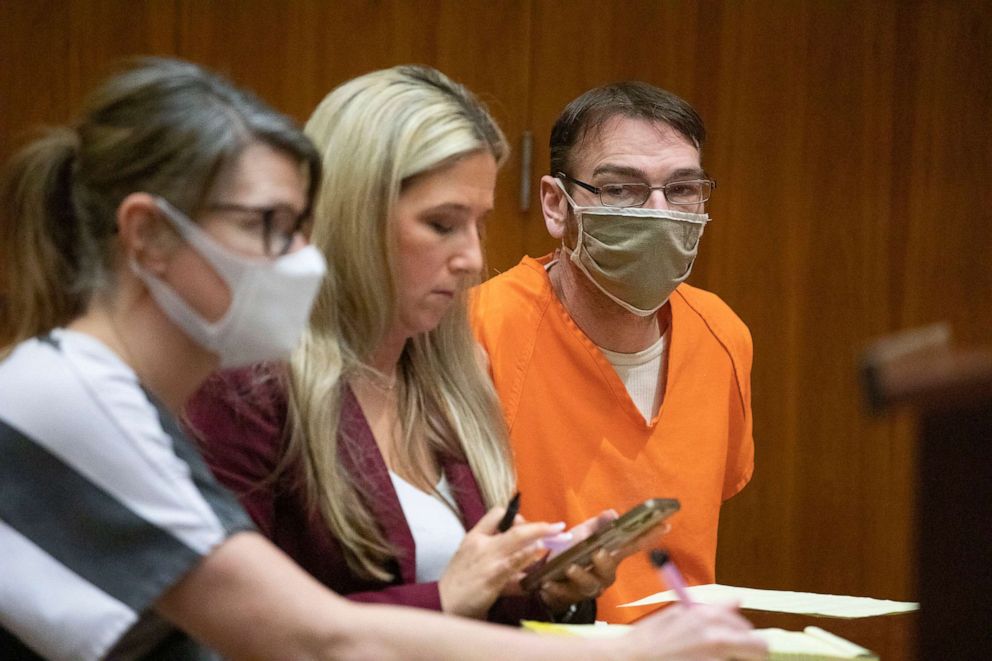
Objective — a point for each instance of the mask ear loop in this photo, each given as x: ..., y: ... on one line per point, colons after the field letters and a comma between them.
x: 573, y: 253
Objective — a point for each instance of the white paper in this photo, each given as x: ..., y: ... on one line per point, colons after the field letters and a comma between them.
x: 806, y: 603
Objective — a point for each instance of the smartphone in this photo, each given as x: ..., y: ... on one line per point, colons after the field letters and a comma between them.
x: 616, y: 535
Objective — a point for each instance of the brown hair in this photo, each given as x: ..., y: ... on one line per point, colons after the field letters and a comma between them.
x: 161, y: 126
x: 632, y: 99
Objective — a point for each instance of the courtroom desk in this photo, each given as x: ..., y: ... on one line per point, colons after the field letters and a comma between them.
x: 891, y: 637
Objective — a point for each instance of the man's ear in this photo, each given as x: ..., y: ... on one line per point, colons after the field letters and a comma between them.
x: 554, y: 205
x: 145, y: 235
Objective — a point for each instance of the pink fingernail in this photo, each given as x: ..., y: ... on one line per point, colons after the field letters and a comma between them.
x: 558, y: 542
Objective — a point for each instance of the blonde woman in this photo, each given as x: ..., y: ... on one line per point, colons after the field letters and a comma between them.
x: 379, y: 460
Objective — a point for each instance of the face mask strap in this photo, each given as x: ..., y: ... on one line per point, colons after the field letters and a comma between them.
x: 577, y: 211
x: 567, y: 196
x: 229, y: 264
x: 179, y: 310
x: 578, y: 219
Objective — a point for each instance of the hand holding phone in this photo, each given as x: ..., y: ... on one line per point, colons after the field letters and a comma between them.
x: 618, y: 534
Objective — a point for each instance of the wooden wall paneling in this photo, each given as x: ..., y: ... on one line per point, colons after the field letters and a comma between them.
x: 834, y: 128
x: 487, y: 47
x: 758, y: 115
x: 945, y: 101
x: 33, y: 81
x: 858, y: 531
x: 103, y: 32
x: 578, y: 45
x: 55, y: 52
x: 293, y: 53
x: 851, y: 529
x: 890, y: 140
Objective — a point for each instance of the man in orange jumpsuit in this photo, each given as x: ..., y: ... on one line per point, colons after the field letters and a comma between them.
x: 620, y: 382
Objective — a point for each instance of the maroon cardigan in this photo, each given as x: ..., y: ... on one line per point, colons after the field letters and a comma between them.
x: 239, y: 416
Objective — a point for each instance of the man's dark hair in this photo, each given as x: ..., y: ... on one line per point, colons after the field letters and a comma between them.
x: 632, y: 99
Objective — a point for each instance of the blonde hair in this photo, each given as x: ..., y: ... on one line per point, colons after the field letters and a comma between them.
x: 375, y: 133
x: 160, y: 126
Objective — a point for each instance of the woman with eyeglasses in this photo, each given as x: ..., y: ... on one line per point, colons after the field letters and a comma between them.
x: 149, y: 243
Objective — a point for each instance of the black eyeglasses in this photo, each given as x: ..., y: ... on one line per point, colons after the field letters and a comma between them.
x: 689, y: 192
x: 278, y: 227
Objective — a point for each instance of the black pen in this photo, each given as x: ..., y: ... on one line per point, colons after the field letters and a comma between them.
x: 511, y: 513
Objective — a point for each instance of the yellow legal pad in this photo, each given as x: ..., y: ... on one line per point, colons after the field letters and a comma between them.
x: 811, y: 644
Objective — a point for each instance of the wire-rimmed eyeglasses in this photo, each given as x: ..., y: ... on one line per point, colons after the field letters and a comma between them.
x: 687, y: 192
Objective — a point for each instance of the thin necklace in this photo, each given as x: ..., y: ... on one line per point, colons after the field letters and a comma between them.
x: 380, y: 382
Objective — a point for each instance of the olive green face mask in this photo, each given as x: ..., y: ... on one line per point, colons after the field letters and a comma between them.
x: 636, y: 257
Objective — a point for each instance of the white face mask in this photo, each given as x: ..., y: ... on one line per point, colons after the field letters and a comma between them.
x: 636, y: 257
x: 270, y: 299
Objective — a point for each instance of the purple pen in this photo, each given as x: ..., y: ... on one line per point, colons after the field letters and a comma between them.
x: 670, y: 574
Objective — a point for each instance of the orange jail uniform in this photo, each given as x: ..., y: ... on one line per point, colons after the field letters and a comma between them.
x: 580, y: 444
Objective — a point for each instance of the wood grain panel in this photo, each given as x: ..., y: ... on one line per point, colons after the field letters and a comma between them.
x: 850, y: 151
x: 579, y: 45
x: 54, y: 52
x: 293, y: 53
x: 859, y: 243
x: 34, y: 85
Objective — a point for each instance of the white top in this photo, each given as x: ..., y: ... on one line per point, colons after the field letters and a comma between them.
x: 436, y: 529
x: 104, y: 504
x: 643, y: 374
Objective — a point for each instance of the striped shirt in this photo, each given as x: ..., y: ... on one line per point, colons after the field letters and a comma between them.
x: 104, y: 505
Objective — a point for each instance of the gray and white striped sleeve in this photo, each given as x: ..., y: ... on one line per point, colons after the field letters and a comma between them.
x: 104, y: 503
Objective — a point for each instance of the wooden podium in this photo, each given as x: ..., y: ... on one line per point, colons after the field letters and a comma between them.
x: 950, y: 392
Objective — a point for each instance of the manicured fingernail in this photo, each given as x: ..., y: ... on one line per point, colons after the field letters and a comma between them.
x: 558, y: 527
x: 558, y: 542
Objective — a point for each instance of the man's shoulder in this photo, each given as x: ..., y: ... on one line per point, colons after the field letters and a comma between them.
x: 708, y: 305
x: 508, y: 309
x: 522, y: 285
x: 529, y: 272
x: 719, y: 317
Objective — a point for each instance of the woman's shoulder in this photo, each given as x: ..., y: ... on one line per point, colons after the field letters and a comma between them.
x: 68, y: 378
x: 241, y: 412
x: 258, y: 389
x: 79, y: 410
